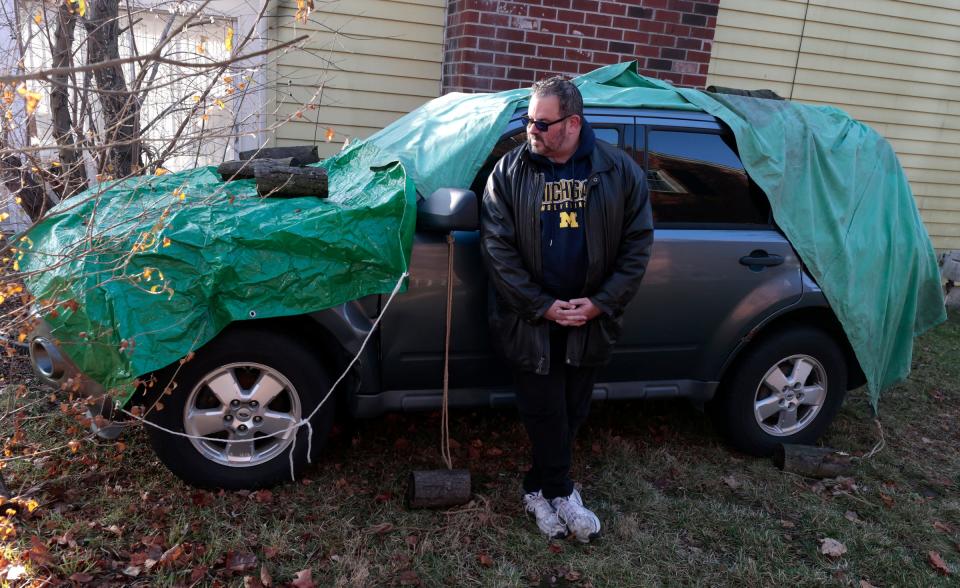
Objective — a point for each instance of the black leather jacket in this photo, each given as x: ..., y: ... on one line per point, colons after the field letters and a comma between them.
x: 619, y: 232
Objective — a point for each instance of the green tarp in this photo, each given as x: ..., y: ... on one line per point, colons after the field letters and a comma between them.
x: 835, y: 187
x: 155, y: 267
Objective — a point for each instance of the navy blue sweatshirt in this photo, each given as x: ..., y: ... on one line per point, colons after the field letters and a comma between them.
x: 562, y: 212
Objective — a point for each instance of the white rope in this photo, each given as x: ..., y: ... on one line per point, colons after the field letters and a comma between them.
x: 302, y: 422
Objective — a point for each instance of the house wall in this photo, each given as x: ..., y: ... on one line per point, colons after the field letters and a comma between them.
x: 892, y: 64
x: 497, y: 45
x: 366, y: 64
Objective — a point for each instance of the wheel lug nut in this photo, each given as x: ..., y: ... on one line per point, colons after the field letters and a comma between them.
x: 234, y: 402
x: 242, y: 428
x: 228, y: 417
x: 257, y: 419
x: 254, y: 404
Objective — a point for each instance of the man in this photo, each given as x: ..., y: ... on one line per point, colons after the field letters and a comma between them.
x: 566, y: 232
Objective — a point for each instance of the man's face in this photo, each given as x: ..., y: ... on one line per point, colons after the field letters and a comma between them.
x: 558, y: 140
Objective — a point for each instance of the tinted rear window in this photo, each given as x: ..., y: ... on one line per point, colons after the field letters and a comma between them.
x: 697, y: 178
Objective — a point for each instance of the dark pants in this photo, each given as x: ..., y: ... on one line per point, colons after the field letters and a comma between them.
x: 552, y: 408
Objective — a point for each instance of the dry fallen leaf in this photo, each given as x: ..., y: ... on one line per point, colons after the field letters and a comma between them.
x: 409, y: 578
x: 941, y: 526
x: 832, y: 547
x: 303, y: 579
x: 866, y: 584
x: 787, y: 524
x: 380, y: 529
x: 732, y: 482
x: 240, y: 562
x: 485, y: 560
x: 852, y: 516
x: 265, y: 578
x: 555, y: 548
x: 938, y: 564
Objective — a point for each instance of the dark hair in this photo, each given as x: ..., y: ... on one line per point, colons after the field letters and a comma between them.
x: 571, y: 102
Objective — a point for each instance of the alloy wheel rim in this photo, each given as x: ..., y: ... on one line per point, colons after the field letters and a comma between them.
x: 252, y: 405
x: 790, y: 395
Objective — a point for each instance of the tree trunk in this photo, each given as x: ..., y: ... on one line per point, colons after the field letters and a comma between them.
x: 291, y: 181
x: 121, y: 110
x: 438, y: 488
x: 20, y: 181
x: 71, y: 172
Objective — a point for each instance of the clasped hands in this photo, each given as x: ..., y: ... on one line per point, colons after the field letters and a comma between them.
x: 573, y: 313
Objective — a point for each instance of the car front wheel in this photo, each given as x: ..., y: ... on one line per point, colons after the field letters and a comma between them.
x: 786, y: 388
x: 240, y: 401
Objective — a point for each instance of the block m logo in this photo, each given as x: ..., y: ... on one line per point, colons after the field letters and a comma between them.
x: 568, y: 220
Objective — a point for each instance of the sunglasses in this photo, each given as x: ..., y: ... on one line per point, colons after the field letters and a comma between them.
x: 541, y: 125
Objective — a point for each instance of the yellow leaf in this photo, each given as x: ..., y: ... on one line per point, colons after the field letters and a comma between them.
x: 74, y: 445
x: 38, y: 18
x: 4, y: 215
x: 21, y: 337
x: 219, y: 103
x: 200, y: 48
x: 196, y: 98
x: 81, y: 7
x: 30, y: 97
x: 228, y: 42
x: 166, y: 241
x: 8, y: 96
x: 32, y: 505
x: 228, y: 79
x: 330, y: 135
x: 8, y: 115
x: 160, y: 171
x: 18, y: 200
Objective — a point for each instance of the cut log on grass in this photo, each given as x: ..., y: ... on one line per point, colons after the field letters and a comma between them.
x: 242, y: 169
x: 438, y: 488
x: 291, y: 181
x: 812, y: 462
x: 301, y: 154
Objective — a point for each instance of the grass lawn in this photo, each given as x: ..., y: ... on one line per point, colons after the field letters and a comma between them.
x: 678, y: 507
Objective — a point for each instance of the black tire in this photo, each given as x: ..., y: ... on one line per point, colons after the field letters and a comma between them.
x: 744, y: 399
x: 247, y: 356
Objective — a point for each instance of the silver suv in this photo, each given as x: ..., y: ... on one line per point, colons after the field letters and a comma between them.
x: 726, y: 316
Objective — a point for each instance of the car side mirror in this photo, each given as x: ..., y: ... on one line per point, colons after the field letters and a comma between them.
x: 449, y: 209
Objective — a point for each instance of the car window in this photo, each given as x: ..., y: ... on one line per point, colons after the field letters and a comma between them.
x: 698, y: 179
x: 610, y: 135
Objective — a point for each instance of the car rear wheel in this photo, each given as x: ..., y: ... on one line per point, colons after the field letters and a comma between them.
x: 786, y: 388
x: 240, y: 400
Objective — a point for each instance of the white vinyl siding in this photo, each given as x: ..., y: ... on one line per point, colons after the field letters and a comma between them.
x: 893, y: 64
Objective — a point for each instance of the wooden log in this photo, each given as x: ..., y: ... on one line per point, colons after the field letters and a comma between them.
x: 242, y: 169
x: 291, y: 181
x: 812, y: 462
x: 301, y: 154
x: 438, y: 488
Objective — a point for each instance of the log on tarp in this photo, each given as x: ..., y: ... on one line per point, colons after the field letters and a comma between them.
x: 301, y: 154
x: 812, y: 462
x: 279, y: 180
x: 242, y: 169
x: 438, y: 488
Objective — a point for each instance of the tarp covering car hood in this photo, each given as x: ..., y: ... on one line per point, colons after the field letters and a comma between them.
x: 835, y: 187
x: 154, y: 267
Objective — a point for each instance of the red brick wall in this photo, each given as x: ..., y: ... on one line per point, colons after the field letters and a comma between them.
x: 497, y: 45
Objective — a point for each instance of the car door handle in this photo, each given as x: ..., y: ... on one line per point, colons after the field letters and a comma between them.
x: 759, y: 259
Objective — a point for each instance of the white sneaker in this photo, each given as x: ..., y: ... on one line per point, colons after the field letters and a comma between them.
x: 579, y: 520
x: 539, y: 508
